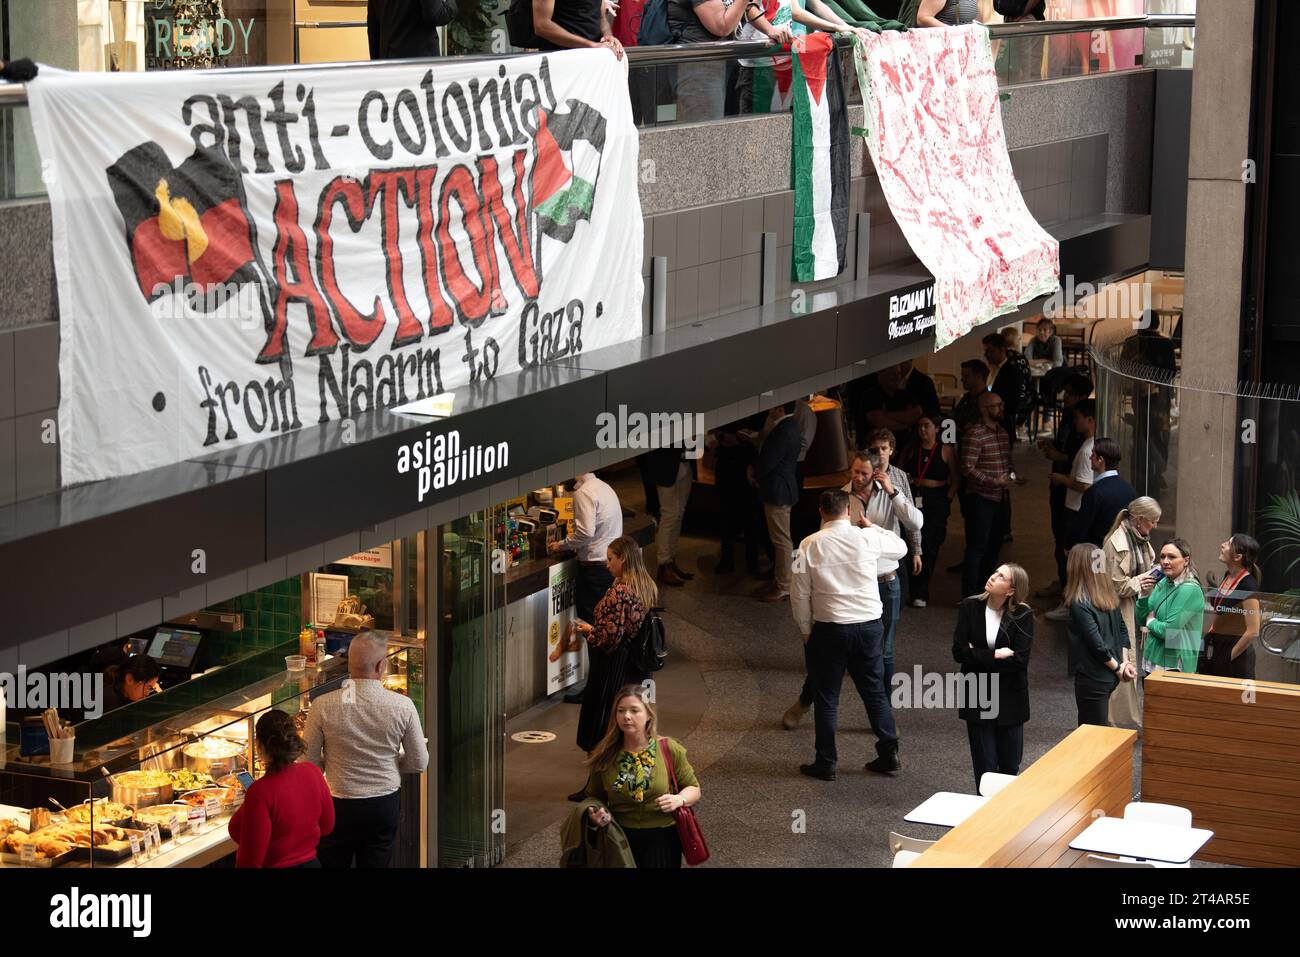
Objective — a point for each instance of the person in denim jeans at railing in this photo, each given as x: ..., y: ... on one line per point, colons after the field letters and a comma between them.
x: 780, y: 21
x: 701, y: 87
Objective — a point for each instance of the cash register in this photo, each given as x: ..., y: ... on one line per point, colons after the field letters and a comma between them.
x: 174, y: 649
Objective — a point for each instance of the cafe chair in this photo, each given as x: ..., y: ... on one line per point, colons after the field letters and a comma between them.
x: 904, y: 858
x: 991, y: 782
x: 1169, y: 815
x: 901, y: 842
x: 1096, y: 860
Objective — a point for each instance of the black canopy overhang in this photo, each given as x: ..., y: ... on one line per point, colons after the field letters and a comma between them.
x: 86, y: 552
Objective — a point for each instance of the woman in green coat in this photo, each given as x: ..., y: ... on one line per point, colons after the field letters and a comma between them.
x: 1173, y: 612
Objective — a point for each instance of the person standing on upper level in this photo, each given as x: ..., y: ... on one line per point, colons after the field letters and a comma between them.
x: 404, y: 29
x: 947, y: 13
x: 574, y: 25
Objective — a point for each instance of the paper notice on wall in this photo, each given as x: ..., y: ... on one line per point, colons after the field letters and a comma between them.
x: 326, y: 593
x: 934, y: 131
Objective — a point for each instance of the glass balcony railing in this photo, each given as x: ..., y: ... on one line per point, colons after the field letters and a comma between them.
x: 682, y: 83
x: 1143, y: 399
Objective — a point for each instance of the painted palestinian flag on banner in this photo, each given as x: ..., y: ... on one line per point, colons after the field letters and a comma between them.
x: 564, y: 190
x: 820, y: 161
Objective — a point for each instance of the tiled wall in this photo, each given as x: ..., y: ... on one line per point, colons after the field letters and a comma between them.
x: 1065, y: 180
x: 29, y: 400
x: 272, y: 616
x: 714, y: 252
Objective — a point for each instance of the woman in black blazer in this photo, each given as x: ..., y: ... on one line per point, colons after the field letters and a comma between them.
x: 1097, y: 635
x: 995, y: 630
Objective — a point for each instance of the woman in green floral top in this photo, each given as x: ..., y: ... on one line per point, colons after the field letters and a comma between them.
x: 628, y: 773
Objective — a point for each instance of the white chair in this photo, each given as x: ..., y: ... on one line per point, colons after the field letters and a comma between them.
x: 1096, y: 860
x: 904, y: 858
x: 991, y: 782
x: 901, y: 842
x: 1170, y: 815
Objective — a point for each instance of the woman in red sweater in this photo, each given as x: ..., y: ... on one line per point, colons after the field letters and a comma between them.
x: 288, y: 811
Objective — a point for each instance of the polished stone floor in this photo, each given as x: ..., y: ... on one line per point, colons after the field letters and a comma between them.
x: 736, y: 665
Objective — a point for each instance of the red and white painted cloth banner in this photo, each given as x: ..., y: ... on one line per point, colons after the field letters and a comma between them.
x: 242, y: 255
x: 934, y: 131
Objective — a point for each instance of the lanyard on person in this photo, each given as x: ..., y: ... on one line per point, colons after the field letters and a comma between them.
x: 922, y: 469
x: 1221, y: 595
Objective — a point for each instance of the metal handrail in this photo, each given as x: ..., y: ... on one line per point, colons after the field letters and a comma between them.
x: 1291, y: 623
x: 15, y: 94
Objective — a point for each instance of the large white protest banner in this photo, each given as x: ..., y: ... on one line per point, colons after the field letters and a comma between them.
x: 242, y: 254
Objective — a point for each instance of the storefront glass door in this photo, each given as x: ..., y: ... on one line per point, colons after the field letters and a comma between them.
x: 471, y: 699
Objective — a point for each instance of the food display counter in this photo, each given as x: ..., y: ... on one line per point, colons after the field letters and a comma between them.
x: 154, y: 784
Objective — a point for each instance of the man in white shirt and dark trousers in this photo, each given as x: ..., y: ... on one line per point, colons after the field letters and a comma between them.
x: 597, y: 521
x: 364, y: 737
x: 836, y: 605
x: 882, y: 493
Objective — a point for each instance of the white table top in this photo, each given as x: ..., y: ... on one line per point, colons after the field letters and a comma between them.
x: 945, y: 809
x: 1146, y: 840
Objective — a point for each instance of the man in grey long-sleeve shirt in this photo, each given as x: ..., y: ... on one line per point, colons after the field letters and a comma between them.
x: 883, y: 492
x: 364, y: 737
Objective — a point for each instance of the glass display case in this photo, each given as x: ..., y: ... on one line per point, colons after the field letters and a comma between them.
x: 154, y: 784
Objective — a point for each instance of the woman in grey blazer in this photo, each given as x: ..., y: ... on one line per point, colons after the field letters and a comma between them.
x: 1097, y: 634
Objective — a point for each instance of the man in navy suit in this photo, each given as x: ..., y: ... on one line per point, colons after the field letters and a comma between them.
x: 1105, y: 498
x: 775, y: 474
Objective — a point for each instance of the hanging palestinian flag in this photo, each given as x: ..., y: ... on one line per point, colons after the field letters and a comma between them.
x: 772, y: 86
x: 820, y: 161
x: 772, y: 75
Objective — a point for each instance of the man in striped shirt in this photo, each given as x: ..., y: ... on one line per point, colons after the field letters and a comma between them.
x: 986, y: 467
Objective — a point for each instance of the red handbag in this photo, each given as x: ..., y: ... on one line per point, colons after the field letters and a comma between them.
x: 688, y: 827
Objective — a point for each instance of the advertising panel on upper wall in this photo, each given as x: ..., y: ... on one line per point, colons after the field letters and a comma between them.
x: 241, y: 255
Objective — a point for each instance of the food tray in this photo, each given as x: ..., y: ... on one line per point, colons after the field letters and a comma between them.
x: 163, y: 829
x: 116, y: 851
x: 15, y: 860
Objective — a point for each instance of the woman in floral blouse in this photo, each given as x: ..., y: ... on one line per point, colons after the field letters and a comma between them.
x: 629, y: 774
x: 609, y: 639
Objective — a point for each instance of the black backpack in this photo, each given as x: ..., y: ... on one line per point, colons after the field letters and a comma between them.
x: 519, y: 25
x: 650, y: 648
